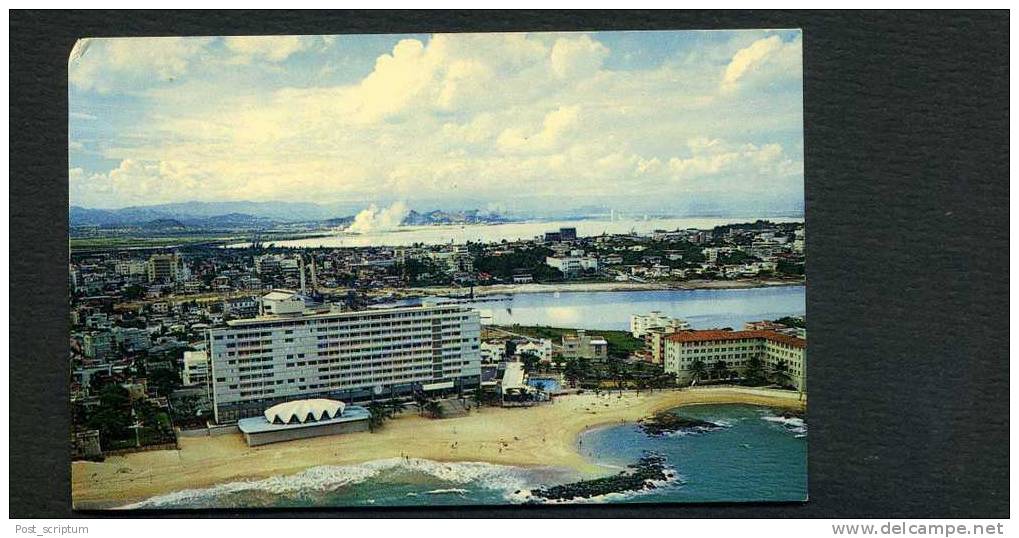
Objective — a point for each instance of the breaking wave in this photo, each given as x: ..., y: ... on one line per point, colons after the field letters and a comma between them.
x: 793, y: 424
x: 326, y: 478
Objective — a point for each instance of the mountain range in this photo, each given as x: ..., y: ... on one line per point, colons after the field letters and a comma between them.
x: 251, y: 215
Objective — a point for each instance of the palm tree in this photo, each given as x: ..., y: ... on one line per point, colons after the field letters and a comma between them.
x: 780, y: 372
x: 379, y: 413
x: 697, y: 369
x: 434, y: 408
x: 755, y: 370
x: 420, y: 399
x: 530, y: 361
x: 719, y: 369
x: 641, y: 383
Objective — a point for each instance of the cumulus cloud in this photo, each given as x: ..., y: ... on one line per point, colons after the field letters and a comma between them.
x: 577, y: 57
x: 748, y: 162
x: 373, y: 219
x: 479, y: 116
x: 271, y: 48
x: 555, y: 124
x: 766, y: 52
x: 105, y: 64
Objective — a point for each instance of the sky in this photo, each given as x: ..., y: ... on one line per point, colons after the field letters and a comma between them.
x: 633, y: 121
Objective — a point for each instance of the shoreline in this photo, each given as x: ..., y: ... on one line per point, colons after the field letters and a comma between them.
x: 540, y: 436
x: 580, y: 287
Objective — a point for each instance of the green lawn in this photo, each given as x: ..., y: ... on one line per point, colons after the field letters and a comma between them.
x: 621, y: 343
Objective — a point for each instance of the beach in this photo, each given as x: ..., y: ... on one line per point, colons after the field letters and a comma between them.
x: 544, y: 435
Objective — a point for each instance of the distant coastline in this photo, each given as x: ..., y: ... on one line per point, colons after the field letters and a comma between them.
x: 571, y: 287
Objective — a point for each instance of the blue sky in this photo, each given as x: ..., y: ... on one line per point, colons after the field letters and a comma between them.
x: 628, y: 120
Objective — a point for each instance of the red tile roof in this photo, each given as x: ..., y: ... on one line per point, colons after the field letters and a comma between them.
x: 709, y: 336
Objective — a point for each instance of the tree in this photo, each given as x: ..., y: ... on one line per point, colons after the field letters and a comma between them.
x: 380, y: 413
x: 421, y: 400
x: 719, y: 369
x: 113, y: 415
x: 641, y: 382
x: 559, y: 364
x: 781, y: 372
x: 165, y: 381
x: 479, y: 397
x: 133, y: 292
x: 698, y: 369
x: 434, y: 409
x: 573, y: 372
x: 755, y: 371
x: 530, y: 362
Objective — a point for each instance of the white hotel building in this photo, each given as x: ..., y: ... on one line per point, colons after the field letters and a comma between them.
x: 641, y: 325
x: 290, y: 353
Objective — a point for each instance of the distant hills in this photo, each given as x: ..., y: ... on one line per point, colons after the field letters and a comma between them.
x: 208, y: 213
x: 233, y: 215
x: 472, y: 216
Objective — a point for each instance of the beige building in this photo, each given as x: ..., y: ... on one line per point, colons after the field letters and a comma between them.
x: 584, y: 346
x: 778, y: 352
x: 640, y: 324
x: 196, y: 368
x: 164, y: 268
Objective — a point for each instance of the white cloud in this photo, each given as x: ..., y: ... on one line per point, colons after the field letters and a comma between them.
x: 484, y: 116
x: 555, y: 124
x: 761, y: 55
x: 270, y: 48
x: 577, y: 57
x: 748, y: 162
x: 105, y: 64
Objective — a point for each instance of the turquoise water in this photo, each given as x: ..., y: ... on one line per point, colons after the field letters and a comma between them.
x: 757, y: 456
x: 703, y: 309
x: 546, y: 384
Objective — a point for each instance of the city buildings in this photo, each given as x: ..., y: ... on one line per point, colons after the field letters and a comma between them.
x: 98, y: 345
x: 492, y: 352
x: 686, y: 351
x: 641, y: 324
x: 572, y: 266
x: 294, y: 353
x: 164, y: 268
x: 584, y: 346
x: 196, y: 368
x: 541, y: 348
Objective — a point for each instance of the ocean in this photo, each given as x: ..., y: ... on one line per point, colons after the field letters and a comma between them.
x: 757, y: 455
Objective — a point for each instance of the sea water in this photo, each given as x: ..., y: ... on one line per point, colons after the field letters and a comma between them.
x: 757, y: 455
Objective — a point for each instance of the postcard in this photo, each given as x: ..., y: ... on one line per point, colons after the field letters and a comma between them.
x: 448, y: 269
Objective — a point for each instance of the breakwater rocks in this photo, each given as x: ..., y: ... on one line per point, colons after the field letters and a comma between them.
x: 664, y: 423
x: 650, y: 472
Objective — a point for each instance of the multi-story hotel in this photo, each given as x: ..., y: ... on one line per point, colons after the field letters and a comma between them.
x: 777, y: 352
x: 641, y: 324
x: 292, y: 352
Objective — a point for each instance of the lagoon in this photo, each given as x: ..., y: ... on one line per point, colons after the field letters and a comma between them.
x: 511, y: 231
x: 611, y: 310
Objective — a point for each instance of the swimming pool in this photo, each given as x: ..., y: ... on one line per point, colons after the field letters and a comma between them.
x: 547, y: 384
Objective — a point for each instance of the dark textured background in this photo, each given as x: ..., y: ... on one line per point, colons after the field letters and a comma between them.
x: 907, y: 208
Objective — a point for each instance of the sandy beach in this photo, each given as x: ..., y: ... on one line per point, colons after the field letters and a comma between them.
x: 568, y: 287
x: 538, y: 436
